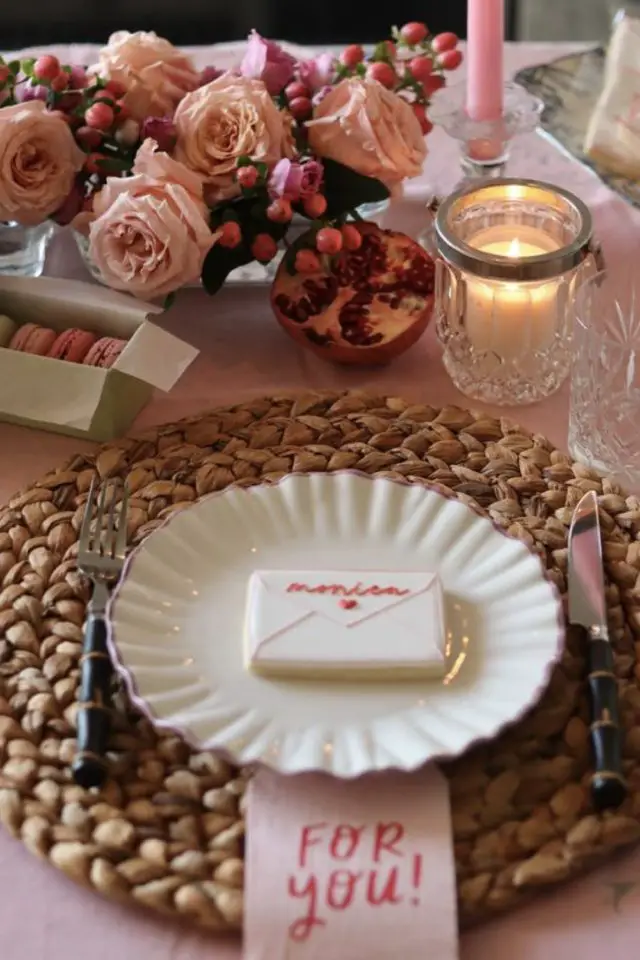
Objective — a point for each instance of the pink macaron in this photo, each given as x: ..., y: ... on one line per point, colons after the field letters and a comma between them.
x: 32, y: 338
x: 72, y: 345
x: 104, y: 352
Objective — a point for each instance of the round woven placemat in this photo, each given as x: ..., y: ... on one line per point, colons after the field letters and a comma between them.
x: 167, y: 829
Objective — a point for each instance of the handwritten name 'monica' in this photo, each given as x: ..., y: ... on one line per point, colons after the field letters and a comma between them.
x: 341, y: 590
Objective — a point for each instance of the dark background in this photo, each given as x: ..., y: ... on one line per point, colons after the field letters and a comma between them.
x: 184, y: 22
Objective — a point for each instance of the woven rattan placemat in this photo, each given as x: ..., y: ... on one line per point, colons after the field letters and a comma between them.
x: 167, y: 830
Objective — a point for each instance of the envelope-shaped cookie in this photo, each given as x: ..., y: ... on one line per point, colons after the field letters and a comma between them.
x: 348, y: 624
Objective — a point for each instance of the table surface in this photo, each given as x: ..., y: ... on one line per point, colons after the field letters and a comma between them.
x: 244, y: 354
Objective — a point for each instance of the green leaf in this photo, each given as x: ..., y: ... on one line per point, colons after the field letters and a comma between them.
x: 113, y: 165
x: 345, y: 189
x: 169, y: 299
x: 219, y: 263
x: 14, y: 66
x: 28, y: 65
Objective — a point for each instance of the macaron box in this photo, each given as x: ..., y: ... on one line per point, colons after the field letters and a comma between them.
x: 80, y: 359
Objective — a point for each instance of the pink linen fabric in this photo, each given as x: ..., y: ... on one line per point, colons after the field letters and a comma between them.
x: 245, y: 354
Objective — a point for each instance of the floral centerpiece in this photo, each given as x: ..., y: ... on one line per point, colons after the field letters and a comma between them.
x: 175, y: 174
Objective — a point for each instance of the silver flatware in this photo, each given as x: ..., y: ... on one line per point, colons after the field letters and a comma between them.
x: 588, y: 611
x: 101, y: 555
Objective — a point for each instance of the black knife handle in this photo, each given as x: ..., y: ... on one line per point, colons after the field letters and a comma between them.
x: 94, y: 706
x: 608, y: 785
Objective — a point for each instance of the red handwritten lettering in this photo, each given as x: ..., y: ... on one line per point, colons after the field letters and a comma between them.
x: 341, y: 888
x: 389, y: 891
x: 340, y: 590
x: 345, y: 840
x: 302, y: 928
x: 307, y: 840
x: 386, y: 838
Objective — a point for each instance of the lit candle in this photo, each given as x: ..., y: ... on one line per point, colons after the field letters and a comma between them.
x: 485, y: 50
x: 507, y: 318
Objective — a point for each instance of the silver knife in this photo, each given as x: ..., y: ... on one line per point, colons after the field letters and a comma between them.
x: 588, y: 611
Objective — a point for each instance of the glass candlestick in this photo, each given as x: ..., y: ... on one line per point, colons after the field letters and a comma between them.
x: 485, y: 145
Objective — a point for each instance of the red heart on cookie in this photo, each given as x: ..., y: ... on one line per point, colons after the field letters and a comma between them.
x: 348, y: 604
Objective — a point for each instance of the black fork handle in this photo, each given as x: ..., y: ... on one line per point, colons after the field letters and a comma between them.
x: 90, y: 765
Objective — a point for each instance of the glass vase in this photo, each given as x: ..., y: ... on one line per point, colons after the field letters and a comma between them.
x: 23, y: 250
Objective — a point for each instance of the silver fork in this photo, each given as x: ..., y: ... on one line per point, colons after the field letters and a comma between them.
x: 101, y: 554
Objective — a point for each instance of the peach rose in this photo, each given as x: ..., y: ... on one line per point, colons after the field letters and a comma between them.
x: 230, y: 117
x: 364, y: 126
x: 39, y: 160
x: 150, y: 234
x: 155, y: 74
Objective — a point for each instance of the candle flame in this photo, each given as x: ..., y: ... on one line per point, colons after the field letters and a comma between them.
x: 514, y: 249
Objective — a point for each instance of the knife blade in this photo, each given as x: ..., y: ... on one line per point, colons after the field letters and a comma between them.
x: 588, y: 611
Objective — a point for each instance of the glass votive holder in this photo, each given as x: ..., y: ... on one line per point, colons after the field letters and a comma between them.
x: 510, y: 257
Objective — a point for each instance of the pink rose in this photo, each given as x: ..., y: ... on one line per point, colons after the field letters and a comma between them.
x: 231, y: 117
x: 295, y: 181
x: 318, y: 72
x: 39, y: 160
x: 154, y: 73
x: 364, y: 126
x: 150, y: 231
x: 267, y: 61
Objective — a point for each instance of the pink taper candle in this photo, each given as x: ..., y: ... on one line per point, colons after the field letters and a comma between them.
x: 485, y: 52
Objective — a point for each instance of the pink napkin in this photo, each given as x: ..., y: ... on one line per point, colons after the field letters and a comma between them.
x: 346, y: 870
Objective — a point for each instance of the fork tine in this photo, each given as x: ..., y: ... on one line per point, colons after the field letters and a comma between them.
x: 85, y: 539
x: 110, y: 532
x: 100, y: 516
x: 121, y: 540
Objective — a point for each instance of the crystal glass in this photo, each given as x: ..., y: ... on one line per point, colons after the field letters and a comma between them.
x: 23, y: 250
x: 511, y: 255
x: 485, y: 145
x: 604, y: 423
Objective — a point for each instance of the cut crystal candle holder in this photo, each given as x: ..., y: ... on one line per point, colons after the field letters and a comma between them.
x: 485, y: 145
x: 23, y: 250
x: 511, y: 255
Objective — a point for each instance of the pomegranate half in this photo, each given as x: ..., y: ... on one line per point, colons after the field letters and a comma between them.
x: 366, y: 306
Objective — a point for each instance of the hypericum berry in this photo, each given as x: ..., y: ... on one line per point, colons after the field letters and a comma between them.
x: 93, y: 163
x: 443, y: 42
x: 88, y: 137
x: 352, y: 55
x: 122, y: 111
x: 5, y: 73
x: 425, y: 124
x: 329, y: 240
x: 77, y: 77
x: 383, y: 73
x: 421, y: 67
x: 351, y: 237
x: 231, y: 235
x: 128, y: 133
x: 116, y: 88
x: 296, y: 89
x: 279, y: 211
x: 60, y: 82
x: 433, y: 83
x: 307, y: 261
x: 300, y: 107
x: 315, y: 205
x: 99, y: 115
x: 450, y: 59
x: 264, y: 247
x: 247, y: 177
x: 414, y: 33
x: 46, y: 67
x: 104, y: 95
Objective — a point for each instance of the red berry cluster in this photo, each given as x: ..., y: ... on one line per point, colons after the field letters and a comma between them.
x: 412, y: 64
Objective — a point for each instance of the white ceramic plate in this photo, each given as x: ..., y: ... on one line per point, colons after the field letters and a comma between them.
x: 177, y: 625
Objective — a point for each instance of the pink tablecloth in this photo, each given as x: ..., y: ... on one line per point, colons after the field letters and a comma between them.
x: 42, y: 914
